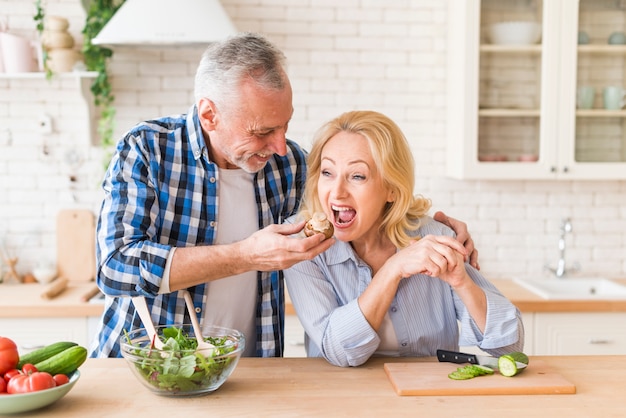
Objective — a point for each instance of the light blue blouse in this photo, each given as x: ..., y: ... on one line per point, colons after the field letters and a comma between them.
x: 426, y: 313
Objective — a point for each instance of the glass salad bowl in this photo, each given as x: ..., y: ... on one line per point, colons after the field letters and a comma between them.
x: 179, y: 368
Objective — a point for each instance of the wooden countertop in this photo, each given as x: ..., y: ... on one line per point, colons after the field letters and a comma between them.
x: 527, y: 301
x: 310, y: 387
x: 24, y: 301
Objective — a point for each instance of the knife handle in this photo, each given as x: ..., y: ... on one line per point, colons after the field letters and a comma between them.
x: 456, y: 357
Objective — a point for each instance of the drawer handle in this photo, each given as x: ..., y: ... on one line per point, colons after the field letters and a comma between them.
x: 32, y: 346
x: 599, y: 341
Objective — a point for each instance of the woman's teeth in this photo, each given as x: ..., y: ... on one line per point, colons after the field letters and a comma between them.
x: 343, y: 214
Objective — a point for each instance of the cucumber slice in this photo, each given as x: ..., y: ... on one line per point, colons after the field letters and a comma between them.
x: 469, y: 372
x: 458, y: 375
x: 507, y: 364
x: 519, y: 357
x: 485, y: 370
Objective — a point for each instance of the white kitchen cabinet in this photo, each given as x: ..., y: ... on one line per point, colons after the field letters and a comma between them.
x: 595, y: 333
x: 511, y: 103
x: 294, y: 337
x: 529, y: 333
x: 32, y: 333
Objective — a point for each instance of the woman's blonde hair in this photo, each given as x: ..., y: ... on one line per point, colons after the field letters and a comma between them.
x: 394, y: 161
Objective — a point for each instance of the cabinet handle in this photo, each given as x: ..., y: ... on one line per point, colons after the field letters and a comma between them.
x: 553, y: 169
x: 599, y: 341
x: 30, y: 347
x: 565, y: 169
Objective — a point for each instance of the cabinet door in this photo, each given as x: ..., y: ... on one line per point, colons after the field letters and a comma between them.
x: 579, y: 333
x: 501, y: 121
x: 529, y: 333
x: 294, y: 337
x: 594, y: 132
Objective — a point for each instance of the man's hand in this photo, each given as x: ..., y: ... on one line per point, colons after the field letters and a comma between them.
x: 462, y: 235
x: 275, y: 248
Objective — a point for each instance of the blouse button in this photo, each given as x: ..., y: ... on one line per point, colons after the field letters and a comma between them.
x: 212, y: 180
x: 198, y: 310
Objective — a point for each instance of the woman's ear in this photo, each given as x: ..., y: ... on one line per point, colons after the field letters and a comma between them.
x: 207, y: 113
x: 391, y: 196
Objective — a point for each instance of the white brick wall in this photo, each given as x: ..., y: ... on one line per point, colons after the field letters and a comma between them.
x: 349, y: 54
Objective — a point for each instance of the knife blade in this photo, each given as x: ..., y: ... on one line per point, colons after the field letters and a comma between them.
x: 459, y: 358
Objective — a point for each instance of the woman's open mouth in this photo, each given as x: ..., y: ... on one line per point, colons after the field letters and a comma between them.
x: 343, y: 215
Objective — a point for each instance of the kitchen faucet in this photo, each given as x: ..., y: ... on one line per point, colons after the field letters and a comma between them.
x: 560, y: 271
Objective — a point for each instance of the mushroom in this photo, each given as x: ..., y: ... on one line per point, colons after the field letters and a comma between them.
x: 319, y: 224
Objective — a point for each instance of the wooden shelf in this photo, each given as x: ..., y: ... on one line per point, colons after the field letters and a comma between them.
x: 511, y: 49
x: 601, y: 49
x: 600, y: 113
x: 509, y: 113
x: 41, y: 75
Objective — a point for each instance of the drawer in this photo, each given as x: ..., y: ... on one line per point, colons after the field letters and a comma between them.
x: 579, y: 334
x: 32, y: 333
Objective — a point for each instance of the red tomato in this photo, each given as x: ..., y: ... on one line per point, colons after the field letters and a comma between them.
x: 11, y: 374
x: 61, y: 379
x: 31, y: 383
x: 3, y: 386
x: 9, y: 356
x: 29, y: 368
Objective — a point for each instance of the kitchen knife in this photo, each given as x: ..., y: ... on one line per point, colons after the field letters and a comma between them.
x: 456, y: 357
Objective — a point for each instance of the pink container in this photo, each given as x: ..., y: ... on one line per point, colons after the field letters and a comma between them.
x: 18, y: 54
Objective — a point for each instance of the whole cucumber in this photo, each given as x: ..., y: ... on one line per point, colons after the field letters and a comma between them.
x: 64, y: 362
x: 43, y: 353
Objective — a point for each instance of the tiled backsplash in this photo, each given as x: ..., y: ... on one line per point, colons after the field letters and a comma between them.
x: 387, y: 56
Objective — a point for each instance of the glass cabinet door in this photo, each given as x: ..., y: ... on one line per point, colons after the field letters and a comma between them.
x: 600, y: 123
x: 510, y: 81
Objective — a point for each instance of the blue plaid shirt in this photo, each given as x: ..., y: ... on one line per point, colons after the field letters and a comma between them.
x: 161, y: 192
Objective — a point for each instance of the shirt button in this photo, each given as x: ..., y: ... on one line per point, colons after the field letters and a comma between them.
x: 212, y: 224
x: 394, y: 309
x: 198, y: 310
x: 404, y: 344
x: 196, y: 154
x: 212, y: 180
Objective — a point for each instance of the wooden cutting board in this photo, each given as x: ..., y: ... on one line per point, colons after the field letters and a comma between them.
x: 431, y: 379
x: 76, y: 258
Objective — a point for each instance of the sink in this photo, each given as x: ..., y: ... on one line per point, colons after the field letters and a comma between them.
x: 575, y: 288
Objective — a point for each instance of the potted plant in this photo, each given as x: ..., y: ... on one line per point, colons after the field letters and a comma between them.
x: 96, y: 58
x: 40, y: 15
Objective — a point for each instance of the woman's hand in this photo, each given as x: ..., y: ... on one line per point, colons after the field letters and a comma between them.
x: 462, y: 235
x: 433, y: 255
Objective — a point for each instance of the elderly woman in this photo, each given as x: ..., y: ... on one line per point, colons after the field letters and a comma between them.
x: 395, y: 282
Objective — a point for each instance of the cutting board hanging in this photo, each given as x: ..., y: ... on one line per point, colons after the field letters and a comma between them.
x: 428, y: 378
x: 76, y: 259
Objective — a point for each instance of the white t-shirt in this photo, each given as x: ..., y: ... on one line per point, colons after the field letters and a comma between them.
x: 231, y: 301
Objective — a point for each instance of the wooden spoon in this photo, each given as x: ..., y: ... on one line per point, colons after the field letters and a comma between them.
x: 202, y: 345
x: 142, y: 309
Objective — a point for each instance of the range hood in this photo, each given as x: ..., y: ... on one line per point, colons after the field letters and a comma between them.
x: 166, y: 22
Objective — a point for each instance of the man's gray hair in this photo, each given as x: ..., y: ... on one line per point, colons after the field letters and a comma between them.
x: 225, y: 64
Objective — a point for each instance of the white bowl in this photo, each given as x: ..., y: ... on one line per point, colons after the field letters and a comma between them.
x: 45, y: 274
x: 515, y: 33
